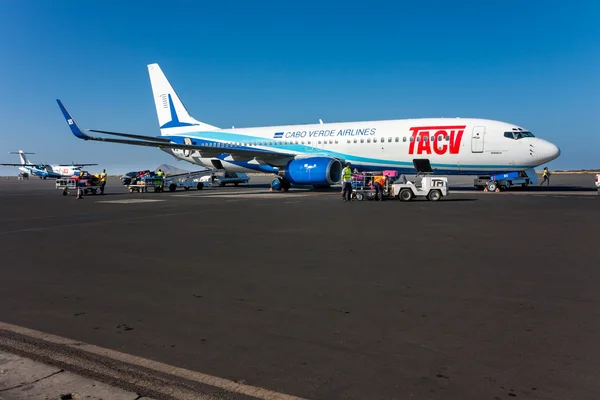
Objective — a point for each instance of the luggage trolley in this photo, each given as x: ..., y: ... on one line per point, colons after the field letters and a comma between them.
x: 87, y: 187
x: 362, y: 184
x: 145, y: 183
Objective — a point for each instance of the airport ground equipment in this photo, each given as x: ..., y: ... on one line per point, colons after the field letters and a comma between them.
x: 502, y: 181
x: 362, y: 184
x: 87, y: 186
x: 188, y: 180
x: 223, y: 177
x: 431, y: 187
x: 597, y: 181
x: 234, y: 178
x: 156, y: 183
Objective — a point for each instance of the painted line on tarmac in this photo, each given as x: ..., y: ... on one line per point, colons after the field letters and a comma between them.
x: 251, y: 196
x: 169, y: 370
x: 129, y: 201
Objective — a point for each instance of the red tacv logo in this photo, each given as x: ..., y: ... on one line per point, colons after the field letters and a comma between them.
x: 421, y: 136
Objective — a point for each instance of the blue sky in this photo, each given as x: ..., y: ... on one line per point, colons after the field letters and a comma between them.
x: 532, y: 63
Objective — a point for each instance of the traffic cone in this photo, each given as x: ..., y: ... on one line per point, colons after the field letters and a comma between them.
x: 79, y: 194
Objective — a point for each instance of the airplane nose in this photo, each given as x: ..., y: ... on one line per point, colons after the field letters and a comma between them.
x: 548, y: 151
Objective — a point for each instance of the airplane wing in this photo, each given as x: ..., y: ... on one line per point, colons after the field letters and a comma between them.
x: 174, y: 142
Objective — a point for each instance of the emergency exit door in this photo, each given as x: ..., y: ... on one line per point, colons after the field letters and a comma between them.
x: 477, y: 139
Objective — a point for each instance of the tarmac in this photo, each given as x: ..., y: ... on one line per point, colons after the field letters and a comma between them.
x: 240, y: 293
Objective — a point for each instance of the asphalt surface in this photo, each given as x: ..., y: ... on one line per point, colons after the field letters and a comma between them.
x: 477, y: 296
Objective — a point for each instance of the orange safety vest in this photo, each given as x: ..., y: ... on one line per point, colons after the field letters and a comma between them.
x: 380, y: 180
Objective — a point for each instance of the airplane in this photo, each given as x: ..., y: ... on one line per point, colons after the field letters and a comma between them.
x: 314, y: 154
x: 44, y: 171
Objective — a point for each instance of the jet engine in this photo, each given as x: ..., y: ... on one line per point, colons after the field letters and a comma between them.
x: 316, y: 171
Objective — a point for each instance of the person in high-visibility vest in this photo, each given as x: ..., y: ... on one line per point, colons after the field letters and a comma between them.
x: 347, y: 183
x: 546, y: 176
x: 160, y: 173
x: 378, y: 184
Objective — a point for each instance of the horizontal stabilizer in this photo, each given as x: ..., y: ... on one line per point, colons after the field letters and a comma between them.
x: 133, y: 136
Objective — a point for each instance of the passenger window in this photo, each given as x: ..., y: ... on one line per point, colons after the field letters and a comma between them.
x: 362, y: 140
x: 368, y: 140
x: 390, y: 140
x: 349, y: 140
x: 447, y: 138
x: 403, y: 139
x: 309, y: 142
x: 336, y: 142
x: 355, y: 141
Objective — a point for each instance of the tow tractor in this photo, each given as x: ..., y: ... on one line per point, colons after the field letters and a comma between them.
x: 431, y: 187
x: 425, y: 185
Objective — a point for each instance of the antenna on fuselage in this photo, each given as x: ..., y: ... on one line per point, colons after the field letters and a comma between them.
x: 320, y: 121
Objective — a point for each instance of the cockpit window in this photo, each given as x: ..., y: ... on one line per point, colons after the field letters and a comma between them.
x: 518, y: 134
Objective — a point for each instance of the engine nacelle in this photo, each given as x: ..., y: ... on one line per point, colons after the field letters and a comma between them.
x: 316, y: 171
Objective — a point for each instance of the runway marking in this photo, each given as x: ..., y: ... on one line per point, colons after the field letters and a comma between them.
x: 129, y: 201
x: 169, y: 370
x: 250, y: 196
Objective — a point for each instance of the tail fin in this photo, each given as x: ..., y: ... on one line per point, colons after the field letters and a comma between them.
x: 173, y: 117
x: 23, y: 157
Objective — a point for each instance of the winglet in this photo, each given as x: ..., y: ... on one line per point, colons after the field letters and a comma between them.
x: 71, y: 122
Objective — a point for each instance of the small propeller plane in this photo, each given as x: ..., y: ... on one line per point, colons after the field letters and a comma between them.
x: 45, y: 171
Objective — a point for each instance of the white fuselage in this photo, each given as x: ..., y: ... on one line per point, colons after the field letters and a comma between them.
x: 452, y: 145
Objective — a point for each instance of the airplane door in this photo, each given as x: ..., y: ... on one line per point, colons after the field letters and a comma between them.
x: 477, y: 139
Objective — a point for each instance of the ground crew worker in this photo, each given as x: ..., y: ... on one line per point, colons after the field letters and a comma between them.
x: 103, y: 177
x: 347, y: 183
x: 546, y: 176
x: 379, y: 184
x: 160, y: 173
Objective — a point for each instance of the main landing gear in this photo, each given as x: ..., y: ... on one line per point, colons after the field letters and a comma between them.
x: 279, y: 184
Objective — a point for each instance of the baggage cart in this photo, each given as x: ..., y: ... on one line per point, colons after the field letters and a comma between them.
x: 362, y: 184
x: 87, y: 186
